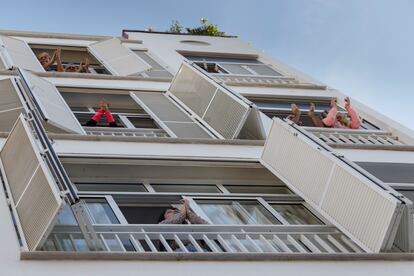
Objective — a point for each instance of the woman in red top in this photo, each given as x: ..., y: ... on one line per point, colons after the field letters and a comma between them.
x: 103, y: 110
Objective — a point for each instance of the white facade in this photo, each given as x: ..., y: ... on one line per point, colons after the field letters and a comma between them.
x: 278, y: 197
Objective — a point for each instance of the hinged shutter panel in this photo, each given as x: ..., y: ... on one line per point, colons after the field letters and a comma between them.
x: 16, y: 53
x: 30, y: 184
x: 119, y: 60
x: 10, y: 104
x: 52, y: 104
x: 219, y: 108
x: 166, y: 113
x: 348, y: 199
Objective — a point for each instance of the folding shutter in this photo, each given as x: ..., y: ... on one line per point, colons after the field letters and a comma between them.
x: 16, y: 53
x: 219, y: 108
x: 10, y: 104
x: 118, y: 59
x: 351, y: 201
x: 51, y: 103
x: 30, y: 185
x: 168, y: 115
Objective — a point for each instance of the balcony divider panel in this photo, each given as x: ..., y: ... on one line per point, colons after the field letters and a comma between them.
x: 17, y: 53
x: 352, y: 201
x: 119, y: 60
x: 29, y: 182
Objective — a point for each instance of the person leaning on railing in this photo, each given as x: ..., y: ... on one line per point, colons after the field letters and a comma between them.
x: 184, y: 215
x: 354, y: 123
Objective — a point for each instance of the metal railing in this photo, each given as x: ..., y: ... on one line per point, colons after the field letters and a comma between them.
x: 126, y: 132
x: 338, y: 137
x: 207, y: 239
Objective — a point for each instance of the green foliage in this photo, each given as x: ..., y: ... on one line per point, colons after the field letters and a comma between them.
x: 206, y: 28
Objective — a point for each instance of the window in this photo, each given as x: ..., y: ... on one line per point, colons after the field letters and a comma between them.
x: 157, y: 70
x: 110, y: 187
x: 233, y: 66
x: 236, y: 212
x: 126, y: 112
x: 280, y: 107
x: 257, y: 189
x: 295, y: 213
x: 390, y: 172
x: 184, y: 188
x: 71, y: 55
x: 100, y: 211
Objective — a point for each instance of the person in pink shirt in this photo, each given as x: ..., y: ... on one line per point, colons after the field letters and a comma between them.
x: 103, y: 110
x: 354, y: 123
x: 328, y: 118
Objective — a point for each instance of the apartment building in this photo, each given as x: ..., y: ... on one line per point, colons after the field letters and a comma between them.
x: 198, y: 118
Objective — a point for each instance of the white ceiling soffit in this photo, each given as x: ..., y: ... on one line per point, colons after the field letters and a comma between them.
x: 34, y: 196
x: 119, y: 60
x: 17, y: 53
x: 351, y: 201
x: 220, y: 109
x: 51, y: 103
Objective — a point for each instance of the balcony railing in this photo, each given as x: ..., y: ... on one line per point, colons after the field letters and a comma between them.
x: 206, y: 239
x: 126, y: 132
x: 262, y: 81
x: 357, y: 138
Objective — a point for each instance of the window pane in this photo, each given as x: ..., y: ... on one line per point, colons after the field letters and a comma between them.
x: 140, y: 122
x: 390, y: 172
x: 296, y: 214
x: 236, y: 69
x: 66, y: 216
x: 264, y: 70
x: 407, y: 193
x: 110, y: 187
x: 100, y: 211
x: 183, y: 188
x: 237, y: 212
x: 252, y: 189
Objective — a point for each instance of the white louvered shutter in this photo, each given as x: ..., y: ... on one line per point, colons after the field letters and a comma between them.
x: 17, y: 53
x: 119, y: 60
x: 219, y: 108
x: 351, y: 201
x: 10, y: 104
x: 52, y: 104
x: 31, y: 187
x: 168, y: 115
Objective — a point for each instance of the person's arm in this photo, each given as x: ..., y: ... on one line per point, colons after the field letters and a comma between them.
x: 176, y: 219
x: 195, y: 219
x: 98, y: 115
x: 59, y: 66
x: 330, y: 119
x: 355, y: 123
x: 84, y: 66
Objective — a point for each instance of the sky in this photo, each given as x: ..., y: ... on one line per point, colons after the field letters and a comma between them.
x: 364, y: 48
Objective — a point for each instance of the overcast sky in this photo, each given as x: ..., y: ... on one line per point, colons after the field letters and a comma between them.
x: 365, y: 48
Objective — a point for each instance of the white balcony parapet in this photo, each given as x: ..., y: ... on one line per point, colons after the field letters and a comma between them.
x: 278, y: 81
x: 208, y: 239
x: 355, y: 138
x: 126, y: 132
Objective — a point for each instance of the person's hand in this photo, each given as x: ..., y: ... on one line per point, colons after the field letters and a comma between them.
x: 58, y: 54
x: 333, y: 102
x: 84, y: 66
x: 186, y: 205
x: 311, y: 111
x: 347, y: 102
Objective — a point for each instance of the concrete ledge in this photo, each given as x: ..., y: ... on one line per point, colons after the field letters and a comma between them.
x: 148, y: 256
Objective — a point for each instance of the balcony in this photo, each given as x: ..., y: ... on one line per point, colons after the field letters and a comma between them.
x: 359, y: 139
x: 125, y: 132
x: 208, y: 239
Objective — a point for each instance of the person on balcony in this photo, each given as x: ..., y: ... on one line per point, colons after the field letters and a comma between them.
x: 184, y: 215
x: 354, y: 122
x: 47, y: 61
x: 327, y: 118
x: 103, y: 110
x: 82, y: 68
